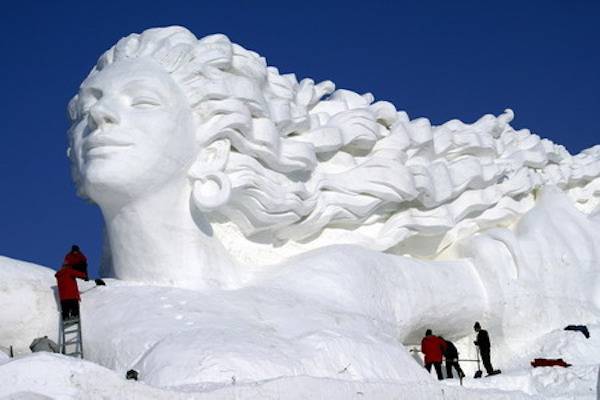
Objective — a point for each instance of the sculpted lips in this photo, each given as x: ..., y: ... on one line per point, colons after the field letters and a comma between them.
x: 100, y: 144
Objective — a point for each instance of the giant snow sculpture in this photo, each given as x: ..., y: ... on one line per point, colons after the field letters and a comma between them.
x: 206, y: 163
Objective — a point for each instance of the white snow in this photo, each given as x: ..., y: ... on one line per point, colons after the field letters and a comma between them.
x: 3, y: 357
x: 68, y: 379
x: 27, y: 301
x: 318, y: 327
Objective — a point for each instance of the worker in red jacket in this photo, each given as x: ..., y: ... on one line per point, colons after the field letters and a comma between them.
x: 433, y: 348
x: 76, y: 259
x: 68, y: 292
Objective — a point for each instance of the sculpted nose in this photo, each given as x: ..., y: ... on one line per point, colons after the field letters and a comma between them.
x: 101, y: 115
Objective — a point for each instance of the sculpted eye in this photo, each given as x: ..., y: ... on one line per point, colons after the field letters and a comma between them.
x: 145, y: 102
x: 87, y: 98
x: 86, y: 103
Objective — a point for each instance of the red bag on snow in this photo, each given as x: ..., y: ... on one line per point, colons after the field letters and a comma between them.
x: 549, y: 362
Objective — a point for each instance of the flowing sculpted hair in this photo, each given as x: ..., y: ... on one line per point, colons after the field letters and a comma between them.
x: 292, y: 158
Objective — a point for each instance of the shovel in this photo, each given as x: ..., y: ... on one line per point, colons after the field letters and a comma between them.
x: 98, y: 282
x: 478, y: 373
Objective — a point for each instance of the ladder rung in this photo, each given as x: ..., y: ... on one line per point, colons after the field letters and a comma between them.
x: 75, y: 328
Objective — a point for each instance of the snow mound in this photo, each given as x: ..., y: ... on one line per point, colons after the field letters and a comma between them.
x: 570, y: 345
x: 43, y: 376
x: 26, y: 396
x: 576, y: 382
x: 545, y: 266
x: 254, y: 335
x: 3, y: 357
x: 53, y: 376
x: 28, y: 302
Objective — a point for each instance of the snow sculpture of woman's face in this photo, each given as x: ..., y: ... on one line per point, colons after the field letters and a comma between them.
x: 135, y: 133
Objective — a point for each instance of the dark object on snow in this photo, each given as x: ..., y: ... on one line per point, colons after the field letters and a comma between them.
x: 451, y: 356
x: 549, y: 362
x: 484, y: 346
x: 494, y: 372
x: 433, y: 348
x: 132, y: 374
x: 478, y: 373
x: 100, y: 282
x: 11, y: 352
x: 483, y: 339
x: 43, y: 344
x: 580, y: 328
x: 451, y: 351
x: 69, y: 309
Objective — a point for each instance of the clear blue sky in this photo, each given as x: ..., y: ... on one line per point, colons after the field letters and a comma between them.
x: 439, y: 59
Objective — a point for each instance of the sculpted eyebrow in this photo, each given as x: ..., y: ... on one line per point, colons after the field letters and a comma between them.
x: 94, y: 91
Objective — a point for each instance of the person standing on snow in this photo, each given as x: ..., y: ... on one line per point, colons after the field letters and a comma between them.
x: 433, y: 348
x: 483, y: 342
x: 451, y: 356
x: 76, y: 259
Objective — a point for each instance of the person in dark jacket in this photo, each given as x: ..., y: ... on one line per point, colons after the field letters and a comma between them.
x: 433, y: 348
x: 451, y: 356
x: 483, y: 342
x: 76, y: 259
x: 68, y: 292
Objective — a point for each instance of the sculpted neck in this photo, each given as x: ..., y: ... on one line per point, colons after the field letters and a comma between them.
x: 159, y: 239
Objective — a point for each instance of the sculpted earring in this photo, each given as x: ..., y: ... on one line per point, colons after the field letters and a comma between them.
x: 211, y: 190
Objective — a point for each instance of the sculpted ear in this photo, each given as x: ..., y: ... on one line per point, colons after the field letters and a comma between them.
x: 211, y: 187
x: 212, y: 157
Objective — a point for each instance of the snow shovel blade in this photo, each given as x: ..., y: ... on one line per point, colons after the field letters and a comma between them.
x: 478, y: 374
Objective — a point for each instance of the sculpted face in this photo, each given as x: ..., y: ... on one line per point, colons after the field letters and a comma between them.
x: 135, y: 132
